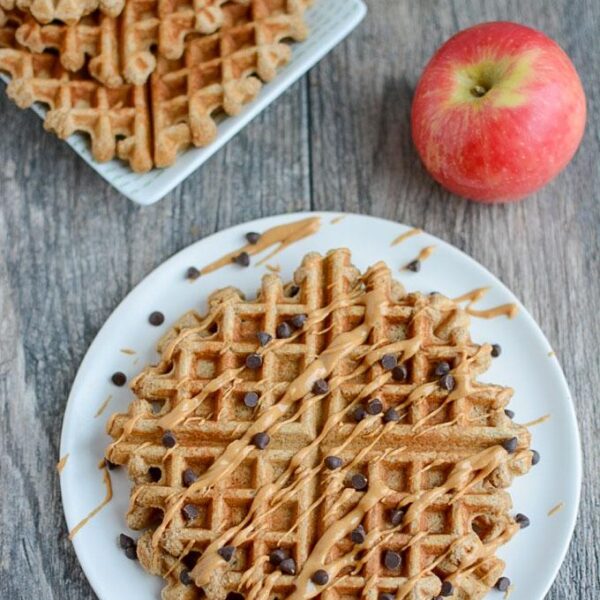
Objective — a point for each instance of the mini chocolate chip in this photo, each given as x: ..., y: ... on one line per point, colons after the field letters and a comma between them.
x: 503, y: 584
x: 442, y: 368
x: 447, y: 382
x: 235, y: 596
x: 288, y: 566
x: 185, y: 577
x: 190, y: 512
x: 509, y: 413
x: 111, y: 466
x: 396, y: 516
x: 168, y: 439
x: 333, y: 462
x: 510, y: 445
x: 131, y: 552
x: 359, y: 414
x: 535, y: 457
x: 242, y: 259
x: 399, y: 373
x: 125, y: 541
x: 251, y: 399
x: 391, y: 416
x: 359, y: 482
x: 447, y: 589
x: 264, y: 338
x: 358, y: 535
x: 190, y: 559
x: 414, y: 266
x: 253, y: 237
x: 386, y: 596
x: 388, y: 361
x: 320, y: 387
x: 192, y: 273
x: 261, y: 440
x: 189, y: 477
x: 294, y: 289
x: 522, y: 520
x: 155, y: 473
x: 298, y: 321
x: 119, y: 379
x: 277, y: 555
x: 496, y: 350
x: 375, y: 406
x: 156, y: 318
x: 226, y: 553
x: 392, y: 560
x: 320, y: 577
x: 254, y: 361
x: 283, y: 331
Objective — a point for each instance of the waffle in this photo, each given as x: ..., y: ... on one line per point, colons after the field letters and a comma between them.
x: 445, y: 460
x: 67, y: 11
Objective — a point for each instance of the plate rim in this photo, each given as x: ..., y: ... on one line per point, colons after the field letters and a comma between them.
x: 572, y: 509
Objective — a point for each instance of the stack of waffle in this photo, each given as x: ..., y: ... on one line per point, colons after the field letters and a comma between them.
x: 328, y: 439
x: 143, y: 78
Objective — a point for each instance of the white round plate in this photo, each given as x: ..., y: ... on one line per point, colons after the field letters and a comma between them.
x: 527, y: 364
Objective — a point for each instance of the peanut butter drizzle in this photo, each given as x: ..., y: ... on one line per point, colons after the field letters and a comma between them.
x: 506, y: 310
x: 274, y: 268
x: 338, y: 219
x: 128, y: 351
x: 556, y: 509
x: 406, y: 235
x: 284, y: 235
x: 423, y: 255
x: 103, y: 406
x: 539, y: 421
x: 93, y: 513
x: 61, y: 464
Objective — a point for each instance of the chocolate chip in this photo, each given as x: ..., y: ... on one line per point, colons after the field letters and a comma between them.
x: 298, y: 321
x: 375, y: 406
x: 242, y: 259
x: 253, y: 237
x: 226, y: 553
x: 359, y: 482
x: 185, y: 577
x: 263, y: 338
x: 447, y: 589
x: 510, y: 445
x: 391, y: 416
x: 496, y: 350
x: 261, y: 440
x: 386, y: 596
x: 447, y: 382
x: 156, y: 318
x: 522, y: 520
x: 392, y: 560
x: 131, y: 553
x: 119, y: 379
x: 359, y: 414
x: 125, y: 541
x: 503, y: 584
x: 111, y: 466
x: 414, y: 266
x: 388, y: 361
x: 189, y: 477
x: 190, y: 559
x: 155, y: 473
x: 190, y: 512
x: 277, y: 556
x: 399, y: 373
x: 320, y: 577
x: 320, y: 387
x: 168, y: 439
x: 358, y: 535
x: 442, y: 368
x: 251, y: 399
x: 509, y: 413
x: 283, y: 331
x: 192, y: 273
x: 535, y: 457
x: 235, y: 596
x: 333, y: 462
x: 254, y: 361
x: 294, y: 289
x: 288, y: 566
x: 396, y: 516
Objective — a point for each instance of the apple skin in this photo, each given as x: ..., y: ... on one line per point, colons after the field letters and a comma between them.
x: 498, y: 113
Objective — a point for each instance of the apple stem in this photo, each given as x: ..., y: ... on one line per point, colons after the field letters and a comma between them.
x: 478, y: 91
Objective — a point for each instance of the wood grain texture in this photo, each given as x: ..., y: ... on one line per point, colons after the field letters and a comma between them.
x: 71, y: 247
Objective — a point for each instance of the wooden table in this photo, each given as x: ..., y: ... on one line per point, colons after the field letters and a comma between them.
x: 71, y: 247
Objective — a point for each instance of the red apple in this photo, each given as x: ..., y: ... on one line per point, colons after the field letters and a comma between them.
x: 499, y: 112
